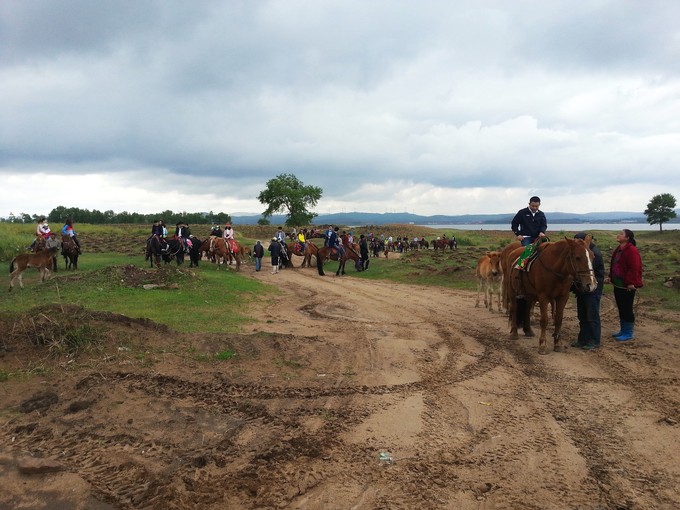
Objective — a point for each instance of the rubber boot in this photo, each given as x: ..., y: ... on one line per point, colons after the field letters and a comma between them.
x: 627, y: 332
x: 620, y: 331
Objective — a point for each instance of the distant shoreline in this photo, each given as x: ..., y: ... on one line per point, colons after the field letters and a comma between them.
x: 556, y: 227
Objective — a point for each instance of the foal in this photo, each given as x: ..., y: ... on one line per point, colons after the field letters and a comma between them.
x: 42, y: 261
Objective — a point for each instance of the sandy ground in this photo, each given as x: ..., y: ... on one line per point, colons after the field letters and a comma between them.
x: 351, y: 394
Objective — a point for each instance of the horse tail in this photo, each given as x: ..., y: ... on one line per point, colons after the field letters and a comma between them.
x: 11, y: 265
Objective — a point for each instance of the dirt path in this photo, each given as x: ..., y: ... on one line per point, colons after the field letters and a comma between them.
x: 337, y: 371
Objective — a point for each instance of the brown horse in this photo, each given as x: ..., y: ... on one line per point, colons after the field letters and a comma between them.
x: 70, y: 252
x: 546, y: 280
x: 310, y: 251
x: 328, y: 253
x: 42, y: 261
x: 225, y: 254
x: 506, y: 264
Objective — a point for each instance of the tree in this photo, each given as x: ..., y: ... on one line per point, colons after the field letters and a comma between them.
x: 660, y: 209
x: 287, y: 193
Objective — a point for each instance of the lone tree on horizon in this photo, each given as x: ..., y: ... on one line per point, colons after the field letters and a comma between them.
x: 660, y: 209
x: 287, y: 193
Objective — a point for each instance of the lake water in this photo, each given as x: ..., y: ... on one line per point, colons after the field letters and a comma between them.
x: 556, y: 227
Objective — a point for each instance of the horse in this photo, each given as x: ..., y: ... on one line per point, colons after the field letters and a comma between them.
x: 333, y: 253
x: 42, y: 261
x: 152, y: 252
x: 310, y: 251
x: 70, y: 252
x: 506, y: 264
x: 547, y: 280
x: 424, y: 244
x: 174, y: 250
x: 223, y: 254
x: 489, y: 278
x: 195, y: 251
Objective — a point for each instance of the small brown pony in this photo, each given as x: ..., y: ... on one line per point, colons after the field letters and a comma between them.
x: 42, y: 261
x: 546, y: 280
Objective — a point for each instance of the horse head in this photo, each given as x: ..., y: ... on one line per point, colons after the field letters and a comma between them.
x: 581, y: 263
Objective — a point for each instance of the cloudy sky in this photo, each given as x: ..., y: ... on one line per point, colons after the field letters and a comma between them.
x: 429, y: 107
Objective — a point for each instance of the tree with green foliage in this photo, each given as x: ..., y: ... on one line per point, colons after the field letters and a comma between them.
x: 287, y: 193
x: 660, y: 209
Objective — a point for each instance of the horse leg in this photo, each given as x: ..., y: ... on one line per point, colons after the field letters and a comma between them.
x: 542, y: 344
x: 479, y: 291
x: 558, y: 310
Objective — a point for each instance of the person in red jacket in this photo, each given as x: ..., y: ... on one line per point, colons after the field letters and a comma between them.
x: 625, y: 272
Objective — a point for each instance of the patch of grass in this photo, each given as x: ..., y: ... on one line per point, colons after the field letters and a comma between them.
x: 100, y: 283
x: 22, y: 373
x: 225, y: 355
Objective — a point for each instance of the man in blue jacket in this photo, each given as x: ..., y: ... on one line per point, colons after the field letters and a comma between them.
x: 529, y: 223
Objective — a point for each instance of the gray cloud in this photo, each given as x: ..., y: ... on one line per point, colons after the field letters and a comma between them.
x: 436, y: 97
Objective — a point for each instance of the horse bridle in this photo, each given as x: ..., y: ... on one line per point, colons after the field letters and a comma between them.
x: 575, y: 272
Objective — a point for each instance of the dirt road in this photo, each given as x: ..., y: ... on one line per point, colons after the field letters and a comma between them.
x: 346, y: 394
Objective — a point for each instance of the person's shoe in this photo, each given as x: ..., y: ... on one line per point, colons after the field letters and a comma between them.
x: 576, y: 343
x: 620, y: 331
x: 589, y: 347
x: 627, y: 332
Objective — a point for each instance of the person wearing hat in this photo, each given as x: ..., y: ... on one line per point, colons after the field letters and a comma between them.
x: 228, y: 236
x: 588, y: 304
x: 280, y: 235
x: 42, y: 231
x: 275, y: 251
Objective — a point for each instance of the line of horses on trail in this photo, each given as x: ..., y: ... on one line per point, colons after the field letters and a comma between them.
x: 546, y: 281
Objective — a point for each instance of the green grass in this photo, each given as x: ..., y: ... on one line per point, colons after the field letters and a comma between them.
x: 206, y: 299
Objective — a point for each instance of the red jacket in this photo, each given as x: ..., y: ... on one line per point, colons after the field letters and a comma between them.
x: 626, y: 263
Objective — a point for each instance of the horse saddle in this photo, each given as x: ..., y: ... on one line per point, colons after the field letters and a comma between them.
x: 526, y: 258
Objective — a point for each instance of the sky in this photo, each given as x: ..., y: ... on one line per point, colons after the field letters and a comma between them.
x: 430, y: 107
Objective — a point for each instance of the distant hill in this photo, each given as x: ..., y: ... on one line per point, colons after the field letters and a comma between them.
x: 361, y: 218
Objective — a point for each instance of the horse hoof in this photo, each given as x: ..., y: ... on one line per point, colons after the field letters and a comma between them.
x: 560, y: 348
x: 543, y: 350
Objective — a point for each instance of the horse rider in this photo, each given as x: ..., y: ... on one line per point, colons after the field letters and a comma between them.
x: 216, y: 231
x: 228, y: 237
x: 302, y: 239
x: 529, y: 225
x: 334, y: 242
x: 68, y: 231
x: 280, y: 236
x: 42, y: 231
x: 157, y: 231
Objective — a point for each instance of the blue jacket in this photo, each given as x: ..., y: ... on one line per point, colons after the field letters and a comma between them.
x: 526, y: 223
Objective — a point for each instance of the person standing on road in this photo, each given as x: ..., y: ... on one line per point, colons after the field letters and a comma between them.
x: 625, y: 273
x: 258, y: 253
x: 275, y: 251
x: 588, y: 304
x: 363, y: 252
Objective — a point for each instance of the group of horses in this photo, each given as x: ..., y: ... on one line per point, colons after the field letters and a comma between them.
x: 546, y: 281
x: 215, y: 249
x: 44, y: 258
